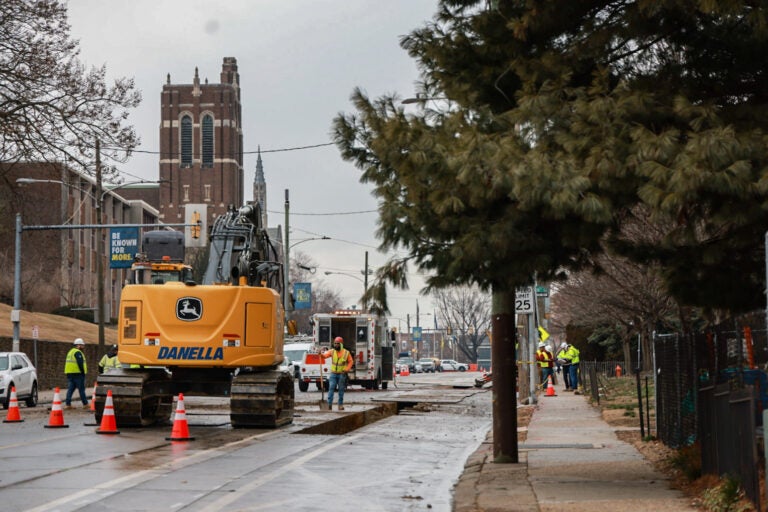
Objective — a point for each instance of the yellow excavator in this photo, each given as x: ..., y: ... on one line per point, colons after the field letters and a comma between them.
x: 223, y: 337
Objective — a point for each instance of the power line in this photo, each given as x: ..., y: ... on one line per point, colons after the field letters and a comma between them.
x: 324, y: 214
x: 278, y: 150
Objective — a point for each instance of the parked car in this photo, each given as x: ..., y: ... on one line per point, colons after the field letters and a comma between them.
x: 427, y: 364
x: 409, y: 362
x: 16, y: 370
x: 449, y: 365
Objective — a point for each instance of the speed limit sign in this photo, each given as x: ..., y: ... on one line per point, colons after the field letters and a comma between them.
x: 524, y: 300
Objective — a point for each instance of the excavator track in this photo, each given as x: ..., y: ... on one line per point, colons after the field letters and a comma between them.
x: 140, y: 397
x: 262, y: 399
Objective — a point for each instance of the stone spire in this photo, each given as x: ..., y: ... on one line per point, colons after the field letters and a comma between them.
x: 196, y: 84
x: 260, y: 187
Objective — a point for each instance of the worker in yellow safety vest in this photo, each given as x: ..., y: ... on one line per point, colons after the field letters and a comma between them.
x: 75, y: 368
x: 341, y: 364
x: 572, y: 354
x: 109, y: 360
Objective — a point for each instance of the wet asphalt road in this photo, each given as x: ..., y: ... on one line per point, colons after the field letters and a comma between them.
x: 408, y: 461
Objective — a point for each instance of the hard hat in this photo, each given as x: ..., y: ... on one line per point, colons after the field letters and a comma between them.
x: 548, y: 347
x: 338, y: 339
x: 79, y: 341
x: 541, y: 344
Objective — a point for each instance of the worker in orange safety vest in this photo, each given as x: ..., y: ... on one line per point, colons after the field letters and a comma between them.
x: 341, y: 364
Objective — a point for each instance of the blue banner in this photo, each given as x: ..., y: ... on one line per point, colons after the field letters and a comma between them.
x: 124, y: 244
x: 302, y: 295
x: 416, y: 333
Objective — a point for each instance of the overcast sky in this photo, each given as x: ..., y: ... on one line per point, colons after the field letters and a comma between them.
x: 299, y: 61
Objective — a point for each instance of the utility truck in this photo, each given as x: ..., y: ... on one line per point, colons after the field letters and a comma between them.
x: 367, y: 337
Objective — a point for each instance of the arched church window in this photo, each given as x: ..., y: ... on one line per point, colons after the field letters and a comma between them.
x: 207, y: 138
x: 186, y: 141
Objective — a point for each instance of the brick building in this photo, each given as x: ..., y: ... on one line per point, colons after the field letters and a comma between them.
x: 201, y: 146
x: 59, y: 266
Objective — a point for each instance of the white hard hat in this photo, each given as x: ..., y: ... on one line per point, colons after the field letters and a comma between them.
x: 548, y: 347
x: 541, y: 344
x: 79, y: 341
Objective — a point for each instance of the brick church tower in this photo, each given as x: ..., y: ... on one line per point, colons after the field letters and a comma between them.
x: 201, y: 146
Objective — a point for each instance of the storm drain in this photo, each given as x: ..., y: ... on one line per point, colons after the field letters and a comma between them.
x: 352, y: 421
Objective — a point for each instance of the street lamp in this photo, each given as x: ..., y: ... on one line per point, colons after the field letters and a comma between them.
x: 309, y: 240
x: 99, y: 235
x: 353, y: 276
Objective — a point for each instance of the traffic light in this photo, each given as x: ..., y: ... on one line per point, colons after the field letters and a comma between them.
x: 195, y: 229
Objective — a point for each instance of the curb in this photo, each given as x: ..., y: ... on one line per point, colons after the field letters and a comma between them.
x: 490, y: 487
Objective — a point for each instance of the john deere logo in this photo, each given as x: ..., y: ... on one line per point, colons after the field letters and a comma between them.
x: 189, y: 309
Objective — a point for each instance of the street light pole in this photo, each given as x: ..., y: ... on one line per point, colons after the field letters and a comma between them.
x: 16, y: 313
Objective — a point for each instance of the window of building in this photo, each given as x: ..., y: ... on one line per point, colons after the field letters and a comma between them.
x: 186, y: 141
x: 207, y: 138
x: 207, y: 191
x: 186, y: 193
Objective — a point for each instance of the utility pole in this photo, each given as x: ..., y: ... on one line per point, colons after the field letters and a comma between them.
x: 286, y: 264
x: 365, y: 283
x: 99, y: 248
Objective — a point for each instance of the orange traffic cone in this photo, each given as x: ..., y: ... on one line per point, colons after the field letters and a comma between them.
x: 13, y: 409
x: 108, y: 422
x: 93, y: 397
x: 550, y: 387
x: 180, y: 430
x: 405, y: 371
x: 56, y: 419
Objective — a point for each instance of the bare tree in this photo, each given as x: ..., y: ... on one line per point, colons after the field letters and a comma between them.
x: 619, y: 298
x: 324, y: 299
x: 465, y: 313
x: 51, y: 107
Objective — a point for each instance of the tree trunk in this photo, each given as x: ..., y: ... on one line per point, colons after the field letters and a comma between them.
x: 504, y: 371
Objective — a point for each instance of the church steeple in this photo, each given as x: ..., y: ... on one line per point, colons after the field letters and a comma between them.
x: 260, y: 187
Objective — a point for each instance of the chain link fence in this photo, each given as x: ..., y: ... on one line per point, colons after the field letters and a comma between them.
x: 711, y: 387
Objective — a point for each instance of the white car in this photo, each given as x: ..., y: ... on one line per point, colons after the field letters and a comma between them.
x: 449, y: 365
x: 16, y: 370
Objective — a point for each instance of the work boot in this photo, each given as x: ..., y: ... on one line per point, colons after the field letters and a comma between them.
x: 341, y: 407
x: 67, y: 406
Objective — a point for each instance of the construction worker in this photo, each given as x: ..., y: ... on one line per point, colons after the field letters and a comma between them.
x: 341, y: 364
x: 565, y: 363
x: 572, y: 354
x: 546, y: 363
x: 109, y: 360
x: 75, y: 369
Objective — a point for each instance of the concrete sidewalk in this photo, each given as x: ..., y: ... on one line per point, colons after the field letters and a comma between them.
x: 571, y: 460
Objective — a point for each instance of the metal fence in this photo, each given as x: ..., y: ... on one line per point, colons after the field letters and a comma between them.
x: 592, y: 375
x: 711, y: 388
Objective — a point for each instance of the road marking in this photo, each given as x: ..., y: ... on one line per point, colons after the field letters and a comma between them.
x: 111, y: 487
x: 243, y: 491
